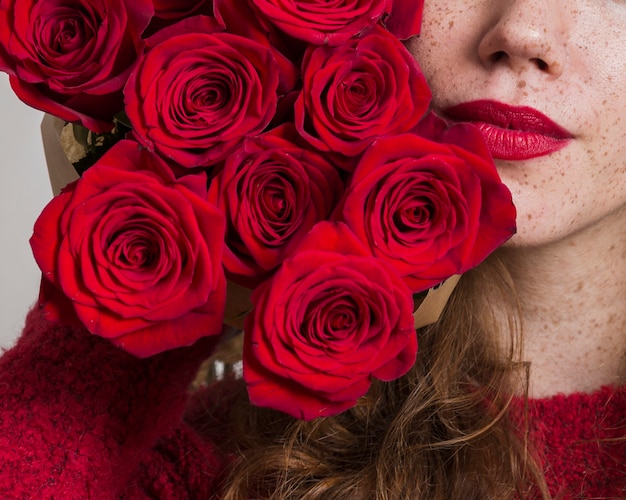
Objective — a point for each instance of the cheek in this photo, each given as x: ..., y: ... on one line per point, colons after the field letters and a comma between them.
x: 547, y: 208
x: 567, y: 194
x: 610, y: 178
x: 445, y: 46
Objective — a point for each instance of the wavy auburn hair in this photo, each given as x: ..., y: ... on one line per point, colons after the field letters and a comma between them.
x: 440, y: 432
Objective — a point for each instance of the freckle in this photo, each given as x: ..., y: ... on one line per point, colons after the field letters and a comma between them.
x: 450, y: 24
x: 521, y: 84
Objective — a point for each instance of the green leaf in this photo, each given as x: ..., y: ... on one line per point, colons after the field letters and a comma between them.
x: 81, y: 134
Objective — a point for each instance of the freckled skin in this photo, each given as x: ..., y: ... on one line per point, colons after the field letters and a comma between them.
x: 567, y: 59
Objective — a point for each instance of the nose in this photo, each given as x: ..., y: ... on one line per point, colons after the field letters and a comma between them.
x: 526, y: 35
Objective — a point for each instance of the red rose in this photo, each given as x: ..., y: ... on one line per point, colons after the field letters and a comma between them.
x: 179, y: 9
x: 329, y: 320
x: 197, y: 92
x: 272, y: 192
x: 405, y: 18
x: 243, y: 18
x: 137, y: 252
x: 72, y: 58
x: 431, y: 209
x: 321, y: 22
x: 364, y: 89
x: 168, y: 12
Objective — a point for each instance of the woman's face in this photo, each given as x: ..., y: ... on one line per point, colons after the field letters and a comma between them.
x: 546, y: 82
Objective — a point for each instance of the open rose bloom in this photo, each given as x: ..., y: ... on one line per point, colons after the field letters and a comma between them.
x: 285, y: 147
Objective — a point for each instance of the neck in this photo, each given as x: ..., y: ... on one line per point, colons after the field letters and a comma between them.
x: 573, y: 295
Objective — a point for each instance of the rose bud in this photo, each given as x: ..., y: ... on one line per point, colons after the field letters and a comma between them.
x: 134, y: 253
x: 198, y: 91
x: 431, y: 209
x: 330, y: 319
x: 272, y: 192
x: 352, y: 94
x: 322, y: 22
x: 72, y: 59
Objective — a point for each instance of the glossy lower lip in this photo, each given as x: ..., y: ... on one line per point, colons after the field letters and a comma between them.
x: 512, y: 132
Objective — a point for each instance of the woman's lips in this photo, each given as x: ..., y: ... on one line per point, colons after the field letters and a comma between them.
x: 511, y: 132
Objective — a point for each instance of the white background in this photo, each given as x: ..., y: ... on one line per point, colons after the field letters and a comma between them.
x: 24, y: 191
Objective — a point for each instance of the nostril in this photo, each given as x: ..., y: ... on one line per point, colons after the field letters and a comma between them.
x: 498, y: 56
x: 541, y: 64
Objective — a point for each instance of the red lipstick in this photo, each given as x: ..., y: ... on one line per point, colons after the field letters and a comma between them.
x: 512, y: 132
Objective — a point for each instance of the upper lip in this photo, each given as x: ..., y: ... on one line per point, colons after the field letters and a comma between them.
x: 520, y: 118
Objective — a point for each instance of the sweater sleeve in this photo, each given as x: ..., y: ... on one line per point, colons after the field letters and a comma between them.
x: 77, y: 414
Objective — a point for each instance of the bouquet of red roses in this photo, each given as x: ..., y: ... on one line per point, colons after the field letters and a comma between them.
x: 283, y: 146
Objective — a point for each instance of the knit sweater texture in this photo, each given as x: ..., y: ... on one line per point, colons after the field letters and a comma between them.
x: 81, y: 419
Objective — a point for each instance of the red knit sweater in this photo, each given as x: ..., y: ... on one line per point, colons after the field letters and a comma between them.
x: 81, y: 419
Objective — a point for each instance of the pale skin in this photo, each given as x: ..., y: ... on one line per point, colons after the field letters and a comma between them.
x: 566, y: 59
